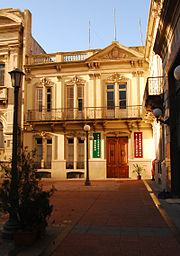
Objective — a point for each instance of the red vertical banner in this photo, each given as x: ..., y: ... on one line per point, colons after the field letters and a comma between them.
x: 138, y: 145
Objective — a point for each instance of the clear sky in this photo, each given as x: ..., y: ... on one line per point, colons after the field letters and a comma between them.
x: 63, y: 25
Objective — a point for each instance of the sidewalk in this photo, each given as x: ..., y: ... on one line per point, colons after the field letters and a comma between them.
x: 122, y: 220
x: 107, y: 218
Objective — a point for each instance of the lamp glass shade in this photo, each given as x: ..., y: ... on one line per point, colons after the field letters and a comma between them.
x: 157, y: 112
x: 82, y: 138
x: 87, y: 128
x: 16, y: 77
x: 177, y: 73
x: 91, y: 137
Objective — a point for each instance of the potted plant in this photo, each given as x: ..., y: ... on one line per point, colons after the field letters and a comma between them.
x: 138, y: 169
x: 34, y: 206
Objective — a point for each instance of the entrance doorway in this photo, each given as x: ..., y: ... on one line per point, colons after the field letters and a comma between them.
x: 117, y: 157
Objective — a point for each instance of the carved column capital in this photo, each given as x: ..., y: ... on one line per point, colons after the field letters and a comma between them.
x: 91, y: 76
x: 59, y: 78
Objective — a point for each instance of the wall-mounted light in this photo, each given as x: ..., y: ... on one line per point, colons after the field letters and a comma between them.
x: 177, y: 73
x: 157, y: 112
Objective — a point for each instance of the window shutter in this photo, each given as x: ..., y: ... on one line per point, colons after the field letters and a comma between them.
x: 39, y: 99
x: 2, y: 71
x: 80, y: 92
x: 1, y: 77
x: 70, y: 96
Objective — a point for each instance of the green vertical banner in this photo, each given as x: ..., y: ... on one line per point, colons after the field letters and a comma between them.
x: 96, y: 145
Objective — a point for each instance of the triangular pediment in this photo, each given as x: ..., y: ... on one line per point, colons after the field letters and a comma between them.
x: 115, y: 51
x: 10, y: 16
x: 5, y: 21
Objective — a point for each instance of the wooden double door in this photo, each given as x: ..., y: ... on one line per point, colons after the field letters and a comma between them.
x: 117, y: 157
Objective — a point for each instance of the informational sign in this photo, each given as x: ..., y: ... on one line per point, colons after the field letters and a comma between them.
x: 96, y: 145
x: 138, y: 145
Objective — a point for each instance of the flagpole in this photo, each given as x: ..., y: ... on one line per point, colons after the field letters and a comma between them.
x: 89, y: 36
x: 114, y: 26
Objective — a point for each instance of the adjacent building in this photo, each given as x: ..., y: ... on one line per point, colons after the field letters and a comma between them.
x: 163, y: 47
x: 16, y: 42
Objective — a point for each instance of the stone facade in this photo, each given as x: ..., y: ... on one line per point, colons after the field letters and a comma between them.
x: 62, y: 92
x: 164, y: 44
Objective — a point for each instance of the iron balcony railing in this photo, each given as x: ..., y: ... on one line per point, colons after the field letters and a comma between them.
x: 153, y: 92
x: 154, y: 85
x: 85, y: 113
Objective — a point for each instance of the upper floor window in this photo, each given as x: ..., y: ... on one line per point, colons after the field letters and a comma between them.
x: 116, y: 95
x: 2, y: 72
x: 39, y: 99
x: 70, y: 97
x: 48, y: 95
x: 110, y: 97
x: 80, y: 96
x: 122, y: 96
x: 75, y: 100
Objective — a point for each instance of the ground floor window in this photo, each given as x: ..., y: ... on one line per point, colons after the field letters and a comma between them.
x: 44, y: 153
x: 74, y: 153
x: 70, y: 154
x: 80, y: 154
x: 39, y: 151
x: 1, y: 136
x: 49, y: 153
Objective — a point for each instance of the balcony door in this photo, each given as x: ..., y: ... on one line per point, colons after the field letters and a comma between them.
x: 110, y: 101
x: 116, y: 96
x: 117, y: 157
x: 43, y: 103
x: 75, y: 102
x: 70, y: 102
x: 39, y: 103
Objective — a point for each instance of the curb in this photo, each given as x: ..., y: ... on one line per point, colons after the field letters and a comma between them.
x: 168, y: 220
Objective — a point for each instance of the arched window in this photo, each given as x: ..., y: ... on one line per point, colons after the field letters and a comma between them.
x: 1, y: 136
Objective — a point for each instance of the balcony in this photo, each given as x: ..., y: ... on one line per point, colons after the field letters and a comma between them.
x: 91, y: 113
x: 58, y: 57
x: 153, y: 92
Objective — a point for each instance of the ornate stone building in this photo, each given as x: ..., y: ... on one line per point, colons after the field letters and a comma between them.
x: 101, y: 88
x: 62, y: 92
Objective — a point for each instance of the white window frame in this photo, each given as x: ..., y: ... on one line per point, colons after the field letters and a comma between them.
x: 77, y: 163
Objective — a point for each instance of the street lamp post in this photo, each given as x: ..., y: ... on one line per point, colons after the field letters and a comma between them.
x: 87, y: 129
x: 12, y: 224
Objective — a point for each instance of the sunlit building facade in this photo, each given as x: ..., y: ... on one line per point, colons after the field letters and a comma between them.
x: 61, y: 92
x: 163, y: 52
